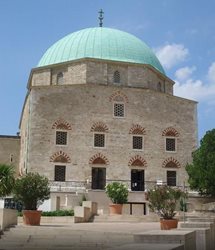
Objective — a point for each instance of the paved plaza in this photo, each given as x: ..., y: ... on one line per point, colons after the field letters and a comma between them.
x: 73, y: 236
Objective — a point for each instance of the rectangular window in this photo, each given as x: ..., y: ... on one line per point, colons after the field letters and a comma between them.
x: 99, y: 140
x: 61, y: 138
x: 119, y: 110
x: 171, y: 178
x: 137, y: 142
x: 170, y: 144
x: 60, y: 173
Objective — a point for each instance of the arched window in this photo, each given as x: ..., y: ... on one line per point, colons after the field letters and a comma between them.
x: 116, y: 77
x: 60, y: 78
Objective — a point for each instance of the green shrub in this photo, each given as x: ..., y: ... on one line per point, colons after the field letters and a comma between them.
x: 117, y: 192
x: 55, y: 213
x: 163, y: 200
x: 58, y: 213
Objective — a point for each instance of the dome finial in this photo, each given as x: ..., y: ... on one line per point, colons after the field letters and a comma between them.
x: 101, y: 17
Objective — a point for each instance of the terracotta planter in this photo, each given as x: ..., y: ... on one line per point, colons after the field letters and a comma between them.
x: 31, y: 217
x: 168, y: 224
x: 115, y: 208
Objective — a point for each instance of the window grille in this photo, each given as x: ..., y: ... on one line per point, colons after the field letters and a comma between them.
x: 60, y: 173
x: 118, y: 109
x: 171, y: 178
x: 116, y: 77
x: 99, y: 140
x: 137, y: 142
x: 170, y: 144
x: 61, y: 138
x: 60, y: 78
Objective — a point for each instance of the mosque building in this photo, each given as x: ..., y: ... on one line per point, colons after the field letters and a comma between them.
x: 100, y: 108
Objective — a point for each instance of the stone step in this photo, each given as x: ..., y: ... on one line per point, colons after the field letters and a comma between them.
x: 125, y: 218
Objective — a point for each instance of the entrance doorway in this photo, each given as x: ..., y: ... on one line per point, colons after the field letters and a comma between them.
x: 98, y: 178
x: 137, y: 180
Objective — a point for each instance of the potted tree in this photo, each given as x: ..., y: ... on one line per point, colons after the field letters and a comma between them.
x: 118, y: 193
x: 31, y: 190
x: 163, y: 201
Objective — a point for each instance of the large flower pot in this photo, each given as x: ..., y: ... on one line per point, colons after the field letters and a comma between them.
x: 31, y: 217
x: 115, y: 208
x: 168, y: 224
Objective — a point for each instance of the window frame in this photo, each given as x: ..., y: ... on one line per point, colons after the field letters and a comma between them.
x: 170, y: 170
x: 170, y: 137
x: 124, y: 113
x: 60, y: 75
x: 64, y: 131
x: 117, y: 74
x: 132, y: 142
x: 55, y: 166
x: 100, y: 133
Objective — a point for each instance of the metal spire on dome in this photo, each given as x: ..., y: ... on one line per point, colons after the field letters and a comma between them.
x: 101, y: 17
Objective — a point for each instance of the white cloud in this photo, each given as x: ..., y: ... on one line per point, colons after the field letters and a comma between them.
x: 211, y: 73
x: 196, y: 89
x: 171, y: 54
x: 184, y: 73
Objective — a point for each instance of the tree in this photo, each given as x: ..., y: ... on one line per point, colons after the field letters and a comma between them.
x: 31, y: 190
x: 202, y: 171
x: 7, y: 179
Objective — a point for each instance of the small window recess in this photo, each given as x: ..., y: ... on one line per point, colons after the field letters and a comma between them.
x: 171, y: 178
x: 137, y: 142
x: 61, y: 138
x: 159, y: 87
x: 116, y: 77
x: 59, y: 78
x: 99, y: 140
x: 60, y: 173
x: 170, y: 144
x: 119, y: 110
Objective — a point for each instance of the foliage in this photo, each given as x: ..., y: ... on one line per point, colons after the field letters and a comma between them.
x: 117, y: 192
x: 202, y: 171
x: 55, y: 213
x: 163, y: 200
x: 31, y: 190
x: 7, y: 179
x: 183, y: 205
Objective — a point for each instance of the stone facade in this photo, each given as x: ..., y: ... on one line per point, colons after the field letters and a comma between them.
x: 10, y: 150
x: 94, y: 71
x: 83, y: 105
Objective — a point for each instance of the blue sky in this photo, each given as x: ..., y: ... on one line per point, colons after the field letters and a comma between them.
x: 182, y: 34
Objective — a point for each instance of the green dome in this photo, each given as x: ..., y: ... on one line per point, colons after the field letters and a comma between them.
x: 100, y: 43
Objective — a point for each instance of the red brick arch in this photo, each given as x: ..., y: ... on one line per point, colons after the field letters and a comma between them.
x: 99, y: 159
x: 61, y: 124
x: 137, y: 161
x: 99, y: 127
x: 118, y: 96
x: 170, y: 131
x: 171, y: 163
x: 60, y: 156
x: 136, y: 129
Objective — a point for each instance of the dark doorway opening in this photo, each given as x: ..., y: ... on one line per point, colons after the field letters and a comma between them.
x: 137, y: 180
x: 98, y: 178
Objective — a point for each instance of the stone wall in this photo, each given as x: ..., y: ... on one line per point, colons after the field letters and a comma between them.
x: 10, y: 150
x: 94, y: 71
x: 83, y: 105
